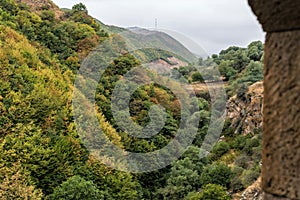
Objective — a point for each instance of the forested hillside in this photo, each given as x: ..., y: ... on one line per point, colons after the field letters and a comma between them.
x: 42, y: 156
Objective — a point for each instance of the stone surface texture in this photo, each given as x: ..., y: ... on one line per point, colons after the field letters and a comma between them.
x: 273, y: 197
x: 281, y: 136
x: 277, y: 15
x: 281, y: 110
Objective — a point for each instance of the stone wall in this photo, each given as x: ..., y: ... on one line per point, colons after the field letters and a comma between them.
x: 281, y: 111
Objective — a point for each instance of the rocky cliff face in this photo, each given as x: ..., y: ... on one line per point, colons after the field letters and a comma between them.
x: 246, y: 113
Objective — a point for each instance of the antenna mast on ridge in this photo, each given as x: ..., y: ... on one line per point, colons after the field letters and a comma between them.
x: 155, y: 23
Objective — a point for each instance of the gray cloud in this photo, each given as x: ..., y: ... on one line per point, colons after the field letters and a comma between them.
x: 213, y: 24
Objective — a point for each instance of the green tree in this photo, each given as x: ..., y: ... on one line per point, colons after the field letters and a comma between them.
x: 9, y: 6
x: 227, y: 70
x: 113, y: 184
x: 15, y: 183
x: 49, y: 160
x: 183, y: 178
x: 197, y: 77
x: 76, y: 188
x: 219, y: 149
x: 250, y: 145
x: 210, y: 192
x: 79, y: 7
x: 255, y: 50
x: 216, y: 174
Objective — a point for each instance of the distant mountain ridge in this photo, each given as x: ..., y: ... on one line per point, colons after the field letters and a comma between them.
x: 160, y: 40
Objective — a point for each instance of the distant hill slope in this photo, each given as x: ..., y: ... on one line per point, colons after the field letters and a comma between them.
x: 159, y: 40
x: 152, y: 45
x: 141, y: 38
x: 109, y: 28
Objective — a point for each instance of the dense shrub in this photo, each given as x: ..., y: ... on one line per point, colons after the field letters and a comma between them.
x: 239, y: 142
x: 76, y: 188
x: 219, y: 149
x: 197, y: 77
x: 216, y: 174
x: 210, y: 192
x: 242, y: 161
x: 236, y: 185
x: 250, y: 144
x: 249, y: 177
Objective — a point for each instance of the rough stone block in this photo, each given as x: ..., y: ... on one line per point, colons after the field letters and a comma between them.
x: 281, y: 134
x: 277, y: 15
x: 272, y: 197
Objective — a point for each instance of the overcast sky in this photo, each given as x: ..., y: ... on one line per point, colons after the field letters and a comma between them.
x: 213, y: 24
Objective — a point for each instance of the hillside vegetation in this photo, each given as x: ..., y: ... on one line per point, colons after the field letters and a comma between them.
x: 42, y: 156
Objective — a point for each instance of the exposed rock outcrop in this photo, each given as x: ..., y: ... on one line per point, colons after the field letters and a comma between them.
x: 246, y: 114
x: 163, y: 66
x: 253, y: 192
